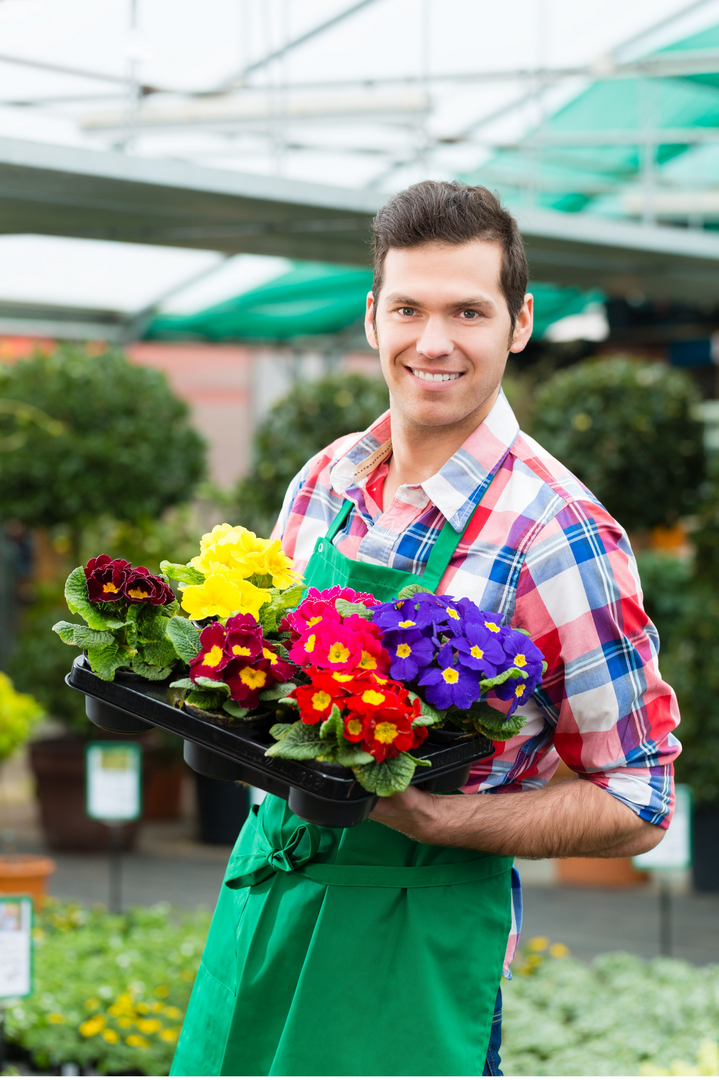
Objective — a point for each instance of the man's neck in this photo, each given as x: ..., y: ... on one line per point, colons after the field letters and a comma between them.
x: 421, y: 452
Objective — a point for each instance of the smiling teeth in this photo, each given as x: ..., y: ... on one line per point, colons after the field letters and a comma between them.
x: 429, y: 377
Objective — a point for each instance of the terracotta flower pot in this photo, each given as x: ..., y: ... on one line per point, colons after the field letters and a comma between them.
x: 25, y: 874
x: 599, y: 873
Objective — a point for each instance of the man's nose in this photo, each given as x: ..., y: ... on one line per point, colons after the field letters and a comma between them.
x: 434, y: 340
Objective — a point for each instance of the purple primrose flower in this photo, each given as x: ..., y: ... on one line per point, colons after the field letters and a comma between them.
x: 409, y: 651
x: 522, y: 653
x: 450, y: 683
x: 480, y: 650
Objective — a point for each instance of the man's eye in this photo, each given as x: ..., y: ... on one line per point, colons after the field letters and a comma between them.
x: 406, y: 311
x: 469, y: 313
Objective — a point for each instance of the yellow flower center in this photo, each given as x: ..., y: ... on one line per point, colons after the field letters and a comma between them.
x: 341, y: 677
x: 354, y: 726
x: 321, y: 701
x: 373, y: 697
x: 453, y: 613
x: 492, y: 626
x: 450, y: 675
x: 108, y: 587
x: 269, y: 655
x: 368, y: 661
x: 254, y: 679
x: 406, y: 623
x: 310, y: 643
x: 476, y: 652
x: 338, y: 653
x: 138, y: 593
x: 520, y: 690
x: 213, y: 657
x: 520, y: 660
x: 240, y: 650
x: 403, y: 650
x: 313, y: 622
x: 386, y: 732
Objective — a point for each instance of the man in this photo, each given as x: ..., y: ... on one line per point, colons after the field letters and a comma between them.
x: 448, y: 304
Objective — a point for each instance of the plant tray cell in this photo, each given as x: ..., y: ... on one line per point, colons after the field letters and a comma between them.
x: 322, y: 793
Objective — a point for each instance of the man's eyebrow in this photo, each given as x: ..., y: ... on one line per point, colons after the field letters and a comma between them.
x: 473, y: 301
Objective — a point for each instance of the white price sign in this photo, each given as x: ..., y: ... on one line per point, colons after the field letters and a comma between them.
x: 113, y: 775
x: 15, y: 946
x: 674, y: 850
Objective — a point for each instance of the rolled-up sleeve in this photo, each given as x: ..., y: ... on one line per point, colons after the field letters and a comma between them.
x: 580, y: 598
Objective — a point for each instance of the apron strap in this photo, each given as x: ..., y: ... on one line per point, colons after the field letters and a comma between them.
x: 440, y: 556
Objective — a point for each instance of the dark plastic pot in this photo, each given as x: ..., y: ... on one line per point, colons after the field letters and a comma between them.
x: 706, y: 848
x: 222, y: 807
x: 448, y: 736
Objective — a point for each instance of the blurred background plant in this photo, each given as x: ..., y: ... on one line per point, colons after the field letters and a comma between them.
x: 311, y: 417
x: 18, y: 715
x: 118, y: 1005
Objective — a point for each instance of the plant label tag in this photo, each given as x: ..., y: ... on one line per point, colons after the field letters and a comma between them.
x: 15, y: 946
x: 113, y: 781
x: 674, y: 850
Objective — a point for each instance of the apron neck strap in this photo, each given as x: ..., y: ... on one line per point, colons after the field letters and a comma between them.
x: 440, y: 556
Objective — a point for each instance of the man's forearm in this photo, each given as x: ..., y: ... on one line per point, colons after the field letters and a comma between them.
x: 574, y: 817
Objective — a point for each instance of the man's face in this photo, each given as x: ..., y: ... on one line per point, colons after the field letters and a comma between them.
x: 443, y: 331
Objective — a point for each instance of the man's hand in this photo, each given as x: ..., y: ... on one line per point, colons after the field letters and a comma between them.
x: 574, y: 817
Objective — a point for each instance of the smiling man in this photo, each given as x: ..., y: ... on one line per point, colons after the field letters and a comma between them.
x: 391, y: 962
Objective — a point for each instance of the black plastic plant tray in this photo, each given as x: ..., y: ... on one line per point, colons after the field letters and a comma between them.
x: 324, y: 794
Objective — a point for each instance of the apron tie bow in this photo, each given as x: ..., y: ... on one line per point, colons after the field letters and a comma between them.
x: 270, y: 855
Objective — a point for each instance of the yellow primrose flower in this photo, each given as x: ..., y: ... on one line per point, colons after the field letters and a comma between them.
x: 136, y: 1040
x: 172, y: 1012
x: 92, y: 1026
x: 55, y: 1018
x: 278, y: 565
x: 169, y: 1034
x: 110, y: 1036
x: 235, y: 549
x: 222, y: 597
x: 124, y: 1021
x: 149, y: 1027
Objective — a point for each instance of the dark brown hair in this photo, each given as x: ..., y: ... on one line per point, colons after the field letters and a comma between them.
x: 449, y: 212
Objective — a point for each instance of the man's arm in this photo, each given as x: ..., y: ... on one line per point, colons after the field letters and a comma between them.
x: 574, y: 817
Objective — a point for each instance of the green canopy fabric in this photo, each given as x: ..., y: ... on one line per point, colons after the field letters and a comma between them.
x: 314, y: 299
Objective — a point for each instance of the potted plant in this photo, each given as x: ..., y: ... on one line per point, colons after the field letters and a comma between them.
x: 18, y: 715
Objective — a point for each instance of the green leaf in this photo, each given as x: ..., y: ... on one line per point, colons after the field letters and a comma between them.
x: 301, y: 743
x: 290, y: 598
x: 387, y: 777
x: 418, y: 760
x: 106, y: 659
x: 204, y: 699
x: 158, y: 653
x: 278, y: 731
x: 332, y: 727
x: 234, y: 709
x: 66, y: 631
x: 289, y: 702
x: 502, y: 729
x: 429, y: 714
x: 521, y: 631
x: 351, y: 756
x: 184, y: 636
x: 92, y: 639
x: 410, y: 590
x: 212, y: 684
x: 187, y: 575
x: 346, y: 607
x: 182, y: 684
x: 278, y: 691
x: 149, y: 671
x: 511, y: 673
x: 78, y: 603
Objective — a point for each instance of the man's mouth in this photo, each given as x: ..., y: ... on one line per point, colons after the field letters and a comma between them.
x: 439, y: 376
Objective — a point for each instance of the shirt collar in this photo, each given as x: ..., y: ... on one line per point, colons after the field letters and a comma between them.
x: 458, y: 487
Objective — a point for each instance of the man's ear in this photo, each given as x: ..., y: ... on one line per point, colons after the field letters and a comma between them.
x: 369, y: 327
x: 523, y: 325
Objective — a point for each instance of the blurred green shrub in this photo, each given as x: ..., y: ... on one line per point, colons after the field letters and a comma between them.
x: 618, y: 1016
x: 313, y: 415
x: 110, y: 991
x: 18, y: 715
x: 626, y: 429
x: 120, y: 442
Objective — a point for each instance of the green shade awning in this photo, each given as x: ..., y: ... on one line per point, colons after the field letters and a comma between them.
x: 314, y: 299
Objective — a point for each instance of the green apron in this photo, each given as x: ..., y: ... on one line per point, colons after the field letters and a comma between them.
x: 349, y: 951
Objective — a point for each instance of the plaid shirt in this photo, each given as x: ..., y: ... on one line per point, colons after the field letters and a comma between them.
x: 541, y: 550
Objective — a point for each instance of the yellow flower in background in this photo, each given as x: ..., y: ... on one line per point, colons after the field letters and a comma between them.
x: 149, y: 1027
x: 162, y: 990
x: 110, y: 1036
x: 136, y: 1040
x: 538, y: 944
x: 92, y: 1026
x: 558, y: 950
x: 278, y: 566
x: 55, y: 1018
x: 221, y: 596
x: 169, y: 1034
x: 92, y: 1003
x: 172, y: 1012
x: 124, y: 1021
